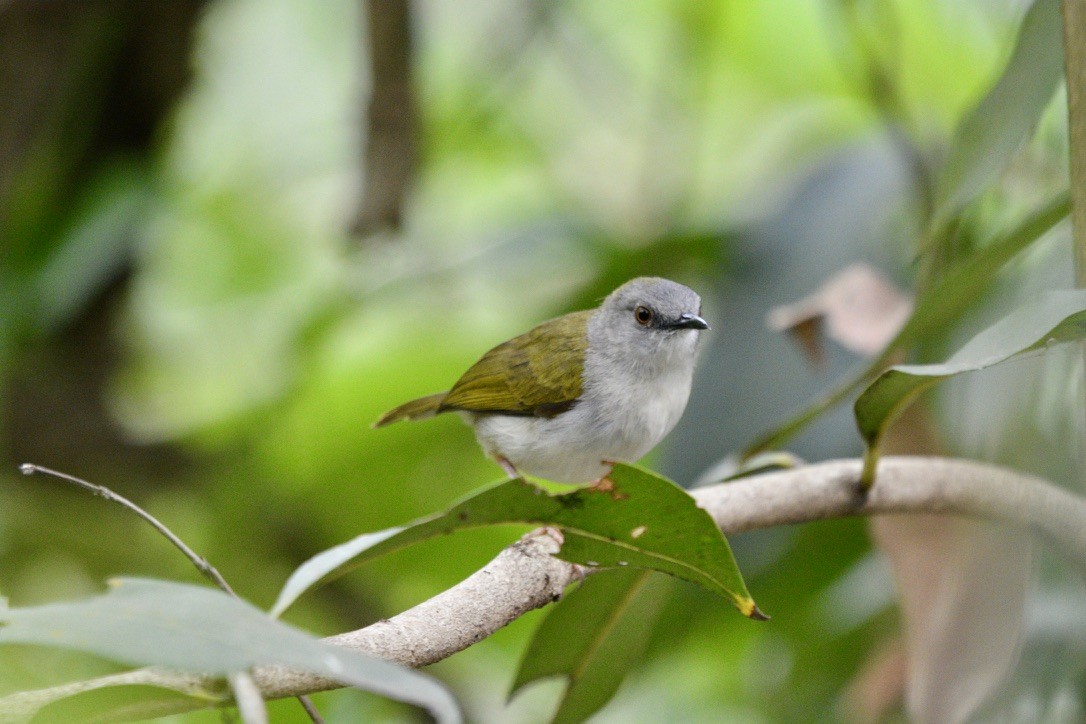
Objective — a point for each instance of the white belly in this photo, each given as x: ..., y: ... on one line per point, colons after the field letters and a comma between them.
x: 613, y: 421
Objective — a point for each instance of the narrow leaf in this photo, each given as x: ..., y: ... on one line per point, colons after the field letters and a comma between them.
x: 247, y: 699
x: 316, y: 568
x: 1056, y: 317
x: 635, y: 518
x: 593, y: 637
x: 989, y: 136
x: 958, y: 289
x: 202, y: 630
x: 733, y: 467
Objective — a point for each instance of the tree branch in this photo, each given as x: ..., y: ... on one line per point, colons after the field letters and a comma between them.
x: 525, y: 576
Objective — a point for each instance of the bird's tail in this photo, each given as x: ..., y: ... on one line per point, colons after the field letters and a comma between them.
x: 418, y: 409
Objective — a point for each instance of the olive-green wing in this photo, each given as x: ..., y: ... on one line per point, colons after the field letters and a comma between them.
x: 537, y: 373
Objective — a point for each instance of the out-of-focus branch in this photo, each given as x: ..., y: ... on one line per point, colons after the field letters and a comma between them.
x: 526, y: 576
x: 391, y: 118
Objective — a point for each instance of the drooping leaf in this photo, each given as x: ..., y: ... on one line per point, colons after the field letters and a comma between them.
x: 988, y: 137
x: 593, y: 637
x: 636, y: 518
x: 1056, y: 317
x: 983, y: 145
x: 202, y: 630
x: 941, y: 304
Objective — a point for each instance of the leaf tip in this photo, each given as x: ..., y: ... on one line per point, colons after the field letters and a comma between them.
x: 750, y: 609
x: 756, y: 614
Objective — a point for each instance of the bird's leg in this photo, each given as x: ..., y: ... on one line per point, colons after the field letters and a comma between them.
x: 509, y: 468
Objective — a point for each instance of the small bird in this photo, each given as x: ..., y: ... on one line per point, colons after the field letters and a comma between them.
x: 575, y: 394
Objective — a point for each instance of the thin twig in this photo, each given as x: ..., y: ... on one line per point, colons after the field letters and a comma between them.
x: 310, y: 708
x: 201, y: 563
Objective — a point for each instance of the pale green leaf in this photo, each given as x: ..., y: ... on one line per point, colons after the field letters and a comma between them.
x: 202, y: 630
x: 316, y: 568
x: 1056, y: 317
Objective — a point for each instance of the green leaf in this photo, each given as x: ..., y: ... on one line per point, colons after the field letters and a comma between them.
x: 593, y: 637
x: 639, y: 519
x: 1056, y: 317
x: 988, y: 136
x: 982, y: 146
x: 321, y: 565
x: 202, y: 630
x: 941, y: 304
x: 956, y: 290
x: 734, y: 466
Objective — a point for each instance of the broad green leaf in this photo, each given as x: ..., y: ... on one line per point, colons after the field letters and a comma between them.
x: 1056, y: 317
x: 593, y: 637
x: 988, y: 136
x: 941, y: 304
x: 639, y: 519
x: 202, y: 630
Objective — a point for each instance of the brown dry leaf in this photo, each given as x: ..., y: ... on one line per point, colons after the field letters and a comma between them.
x: 859, y: 308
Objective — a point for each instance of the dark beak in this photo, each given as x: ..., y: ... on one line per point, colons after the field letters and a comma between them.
x: 690, y: 321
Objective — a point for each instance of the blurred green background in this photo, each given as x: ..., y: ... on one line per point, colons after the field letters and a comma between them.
x: 233, y: 232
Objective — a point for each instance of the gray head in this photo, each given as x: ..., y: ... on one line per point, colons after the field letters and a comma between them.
x: 649, y: 320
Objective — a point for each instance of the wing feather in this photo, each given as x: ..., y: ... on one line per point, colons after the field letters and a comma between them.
x: 512, y: 381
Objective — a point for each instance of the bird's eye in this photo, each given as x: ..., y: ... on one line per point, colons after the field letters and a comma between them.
x: 643, y: 315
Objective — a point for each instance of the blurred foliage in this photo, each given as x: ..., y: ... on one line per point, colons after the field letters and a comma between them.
x: 196, y: 300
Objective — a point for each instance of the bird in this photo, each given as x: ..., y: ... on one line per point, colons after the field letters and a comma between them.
x: 578, y: 393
